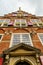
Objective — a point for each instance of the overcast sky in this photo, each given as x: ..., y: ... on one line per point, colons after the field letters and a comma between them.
x: 31, y: 6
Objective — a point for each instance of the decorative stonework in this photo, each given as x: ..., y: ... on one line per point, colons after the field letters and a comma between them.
x: 22, y: 53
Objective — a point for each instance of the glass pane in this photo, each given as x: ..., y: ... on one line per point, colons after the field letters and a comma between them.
x: 20, y: 22
x: 25, y: 38
x: 41, y: 37
x: 23, y: 22
x: 16, y: 39
x: 21, y: 38
x: 17, y: 23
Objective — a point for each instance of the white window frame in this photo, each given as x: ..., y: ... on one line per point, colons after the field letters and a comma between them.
x: 1, y: 37
x: 40, y: 38
x: 4, y: 21
x: 20, y: 38
x: 36, y: 21
x: 20, y: 22
x: 1, y: 22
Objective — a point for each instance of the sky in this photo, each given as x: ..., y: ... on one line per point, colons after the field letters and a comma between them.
x: 34, y: 7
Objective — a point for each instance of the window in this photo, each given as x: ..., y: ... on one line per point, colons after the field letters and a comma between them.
x: 1, y: 36
x: 4, y: 22
x: 20, y: 38
x: 20, y: 23
x: 34, y: 20
x: 37, y: 22
x: 40, y: 35
x: 40, y: 23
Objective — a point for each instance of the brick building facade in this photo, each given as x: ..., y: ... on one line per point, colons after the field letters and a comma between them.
x: 21, y: 38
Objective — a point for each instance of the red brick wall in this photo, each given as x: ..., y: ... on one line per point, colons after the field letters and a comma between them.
x: 7, y: 37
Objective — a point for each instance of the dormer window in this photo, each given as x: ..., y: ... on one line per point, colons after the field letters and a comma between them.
x: 20, y: 23
x: 37, y: 22
x: 4, y: 22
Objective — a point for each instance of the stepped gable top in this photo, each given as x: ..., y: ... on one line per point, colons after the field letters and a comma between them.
x: 14, y: 14
x: 19, y: 12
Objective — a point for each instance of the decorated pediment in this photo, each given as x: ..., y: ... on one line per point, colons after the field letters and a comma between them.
x: 21, y: 49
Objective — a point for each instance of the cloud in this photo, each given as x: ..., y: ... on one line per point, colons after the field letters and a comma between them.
x: 39, y: 8
x: 31, y: 6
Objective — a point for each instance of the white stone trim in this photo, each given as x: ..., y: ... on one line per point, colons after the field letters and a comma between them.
x: 11, y: 40
x: 1, y: 37
x: 40, y: 38
x: 3, y: 23
x: 20, y: 38
x: 30, y: 40
x: 5, y: 41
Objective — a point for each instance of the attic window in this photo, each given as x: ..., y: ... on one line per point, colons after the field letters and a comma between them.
x: 37, y: 22
x: 21, y: 38
x: 40, y: 35
x: 34, y: 20
x: 20, y: 22
x: 4, y: 22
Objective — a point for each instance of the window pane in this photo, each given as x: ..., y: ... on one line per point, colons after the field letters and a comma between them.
x: 16, y: 39
x: 41, y: 37
x: 20, y: 22
x: 17, y: 22
x: 26, y: 38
